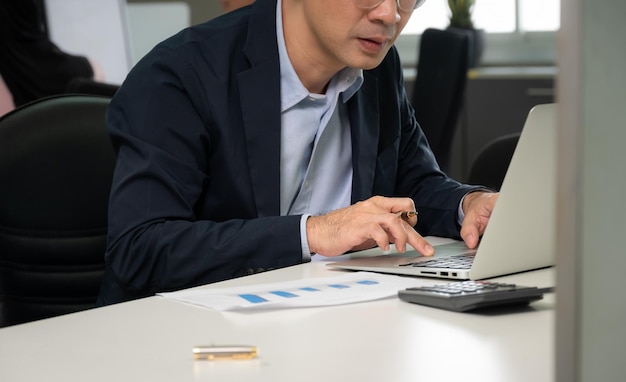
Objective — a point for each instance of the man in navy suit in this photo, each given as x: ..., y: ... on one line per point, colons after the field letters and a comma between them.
x: 265, y: 136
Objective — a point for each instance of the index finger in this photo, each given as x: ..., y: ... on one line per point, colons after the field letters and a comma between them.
x: 420, y: 244
x: 413, y: 238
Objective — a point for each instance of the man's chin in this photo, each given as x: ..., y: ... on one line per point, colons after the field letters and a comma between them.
x: 369, y: 64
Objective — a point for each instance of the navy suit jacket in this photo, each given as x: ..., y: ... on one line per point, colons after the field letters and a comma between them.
x: 196, y: 129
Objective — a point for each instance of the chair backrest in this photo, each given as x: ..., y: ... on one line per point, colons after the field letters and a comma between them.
x: 492, y: 161
x: 439, y: 87
x: 56, y: 166
x: 87, y: 86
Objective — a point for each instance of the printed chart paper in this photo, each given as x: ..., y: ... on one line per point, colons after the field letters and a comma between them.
x: 315, y: 292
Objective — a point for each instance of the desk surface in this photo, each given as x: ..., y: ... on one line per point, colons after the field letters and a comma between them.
x: 386, y: 340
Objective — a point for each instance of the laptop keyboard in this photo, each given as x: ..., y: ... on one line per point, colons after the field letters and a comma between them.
x: 463, y: 261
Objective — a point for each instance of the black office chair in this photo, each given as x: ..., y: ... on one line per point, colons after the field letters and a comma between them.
x: 492, y: 161
x: 56, y: 165
x: 86, y: 86
x: 440, y: 86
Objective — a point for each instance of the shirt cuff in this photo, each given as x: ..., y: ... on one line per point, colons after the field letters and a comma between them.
x: 460, y: 214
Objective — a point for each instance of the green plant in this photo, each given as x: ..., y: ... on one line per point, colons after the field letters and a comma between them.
x: 461, y: 13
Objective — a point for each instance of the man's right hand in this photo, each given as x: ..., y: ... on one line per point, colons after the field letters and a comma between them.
x: 374, y: 221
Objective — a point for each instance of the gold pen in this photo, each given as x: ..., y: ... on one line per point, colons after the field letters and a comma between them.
x: 217, y: 352
x: 407, y: 215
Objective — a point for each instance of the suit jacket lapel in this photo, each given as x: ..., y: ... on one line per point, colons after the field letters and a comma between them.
x: 365, y: 125
x: 260, y: 105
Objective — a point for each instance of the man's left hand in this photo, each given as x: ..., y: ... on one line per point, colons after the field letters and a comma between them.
x: 477, y: 207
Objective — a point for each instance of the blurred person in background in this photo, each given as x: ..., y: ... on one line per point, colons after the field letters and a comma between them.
x: 6, y: 99
x: 31, y: 65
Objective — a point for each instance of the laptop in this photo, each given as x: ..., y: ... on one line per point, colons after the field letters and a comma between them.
x: 521, y: 232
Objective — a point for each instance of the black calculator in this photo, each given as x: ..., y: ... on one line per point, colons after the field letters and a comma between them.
x: 461, y: 296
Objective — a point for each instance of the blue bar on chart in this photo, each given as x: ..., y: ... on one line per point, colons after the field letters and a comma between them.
x: 367, y: 282
x: 253, y: 298
x: 282, y: 293
x: 338, y: 286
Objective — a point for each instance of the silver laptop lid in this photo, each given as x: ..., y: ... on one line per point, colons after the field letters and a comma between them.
x: 522, y: 226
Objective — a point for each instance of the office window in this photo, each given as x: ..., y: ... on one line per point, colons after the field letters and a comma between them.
x: 519, y: 32
x: 539, y: 15
x: 494, y: 16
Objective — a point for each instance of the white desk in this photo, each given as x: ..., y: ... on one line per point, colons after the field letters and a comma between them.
x: 387, y: 340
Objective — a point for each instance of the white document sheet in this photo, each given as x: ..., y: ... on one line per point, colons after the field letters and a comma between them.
x: 345, y: 289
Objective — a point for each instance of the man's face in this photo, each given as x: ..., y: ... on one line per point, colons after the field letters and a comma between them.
x: 344, y: 35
